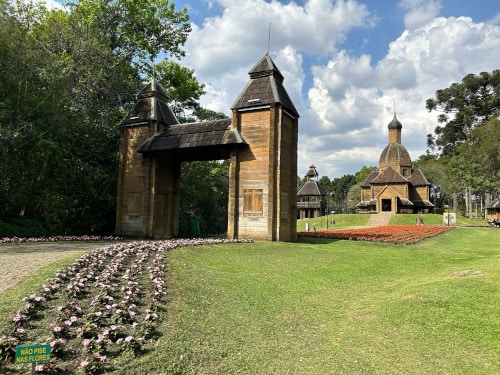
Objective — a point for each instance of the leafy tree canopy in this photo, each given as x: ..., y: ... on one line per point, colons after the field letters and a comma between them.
x: 466, y: 142
x: 66, y: 80
x: 363, y: 173
x: 463, y: 106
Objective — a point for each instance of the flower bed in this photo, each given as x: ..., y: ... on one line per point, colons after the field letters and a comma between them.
x: 103, y: 307
x: 402, y: 234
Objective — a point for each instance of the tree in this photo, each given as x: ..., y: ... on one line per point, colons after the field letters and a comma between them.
x: 203, y: 114
x: 137, y: 30
x: 67, y: 79
x: 363, y: 173
x: 466, y: 109
x: 204, y: 196
x: 464, y: 106
x: 181, y: 86
x: 436, y: 172
x: 481, y: 156
x: 341, y: 187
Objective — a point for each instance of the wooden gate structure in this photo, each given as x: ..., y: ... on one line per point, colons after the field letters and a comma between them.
x: 260, y: 141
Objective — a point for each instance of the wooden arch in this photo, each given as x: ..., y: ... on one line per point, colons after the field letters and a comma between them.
x: 260, y: 141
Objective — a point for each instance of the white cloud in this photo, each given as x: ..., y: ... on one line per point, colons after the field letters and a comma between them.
x: 420, y: 12
x: 347, y: 101
x: 224, y: 48
x: 242, y: 30
x: 354, y: 98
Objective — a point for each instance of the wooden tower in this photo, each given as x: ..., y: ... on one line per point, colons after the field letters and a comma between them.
x: 263, y: 176
x: 148, y: 187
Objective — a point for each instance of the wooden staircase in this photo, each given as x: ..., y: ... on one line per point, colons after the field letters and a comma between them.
x: 382, y: 218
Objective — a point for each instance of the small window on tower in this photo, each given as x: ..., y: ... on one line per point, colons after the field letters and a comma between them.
x: 253, y: 202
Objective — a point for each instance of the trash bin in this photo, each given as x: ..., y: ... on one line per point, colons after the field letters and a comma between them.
x: 194, y: 227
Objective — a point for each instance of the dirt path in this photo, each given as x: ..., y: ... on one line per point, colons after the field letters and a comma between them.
x: 19, y: 260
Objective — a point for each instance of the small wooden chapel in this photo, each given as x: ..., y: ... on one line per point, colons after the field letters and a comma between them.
x: 395, y: 187
x: 259, y: 140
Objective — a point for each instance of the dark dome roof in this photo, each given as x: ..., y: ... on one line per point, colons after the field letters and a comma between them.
x: 395, y: 124
x: 394, y: 154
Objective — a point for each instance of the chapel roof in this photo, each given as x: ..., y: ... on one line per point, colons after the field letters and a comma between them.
x: 389, y: 175
x: 394, y: 154
x: 264, y: 88
x: 417, y: 178
x: 369, y: 179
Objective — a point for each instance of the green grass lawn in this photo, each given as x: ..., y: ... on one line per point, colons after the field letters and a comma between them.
x: 352, y: 220
x: 333, y: 307
x: 327, y: 307
x: 340, y: 221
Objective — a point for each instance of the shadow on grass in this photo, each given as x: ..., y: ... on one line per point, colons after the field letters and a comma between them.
x: 316, y: 240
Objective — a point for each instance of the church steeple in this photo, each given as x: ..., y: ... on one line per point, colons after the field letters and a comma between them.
x: 395, y: 154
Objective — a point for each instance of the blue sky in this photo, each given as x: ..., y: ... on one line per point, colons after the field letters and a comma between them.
x: 345, y: 63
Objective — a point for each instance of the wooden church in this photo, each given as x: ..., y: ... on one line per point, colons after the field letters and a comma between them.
x: 259, y: 140
x: 395, y: 187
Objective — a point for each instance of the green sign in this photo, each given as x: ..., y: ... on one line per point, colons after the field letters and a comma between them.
x: 32, y: 353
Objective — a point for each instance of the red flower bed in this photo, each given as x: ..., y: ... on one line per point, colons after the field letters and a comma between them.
x: 405, y: 234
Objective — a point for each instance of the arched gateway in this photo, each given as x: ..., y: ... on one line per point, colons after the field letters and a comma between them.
x: 260, y: 140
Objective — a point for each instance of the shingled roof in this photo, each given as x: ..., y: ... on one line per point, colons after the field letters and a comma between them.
x: 366, y: 183
x: 265, y: 88
x: 417, y: 178
x: 151, y: 104
x: 389, y: 175
x: 494, y: 204
x: 193, y: 135
x: 310, y: 188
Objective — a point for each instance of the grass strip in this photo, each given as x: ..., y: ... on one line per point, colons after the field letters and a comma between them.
x: 333, y: 307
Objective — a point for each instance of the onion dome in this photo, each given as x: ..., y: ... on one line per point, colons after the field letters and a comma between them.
x: 395, y: 124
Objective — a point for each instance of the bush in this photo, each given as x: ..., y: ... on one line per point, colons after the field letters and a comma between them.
x: 23, y: 227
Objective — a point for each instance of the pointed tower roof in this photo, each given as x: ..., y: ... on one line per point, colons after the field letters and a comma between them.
x: 265, y: 88
x: 151, y: 105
